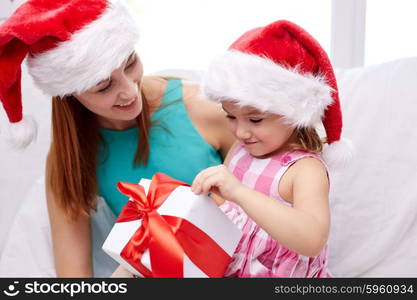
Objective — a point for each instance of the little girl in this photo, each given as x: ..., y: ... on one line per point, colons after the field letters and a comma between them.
x: 276, y: 85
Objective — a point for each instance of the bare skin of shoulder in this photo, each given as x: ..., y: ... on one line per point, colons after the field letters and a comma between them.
x: 207, y: 117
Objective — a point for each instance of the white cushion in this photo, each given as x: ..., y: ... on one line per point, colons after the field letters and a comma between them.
x: 374, y: 201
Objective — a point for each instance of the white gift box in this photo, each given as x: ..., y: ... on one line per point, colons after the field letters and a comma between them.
x: 200, y: 210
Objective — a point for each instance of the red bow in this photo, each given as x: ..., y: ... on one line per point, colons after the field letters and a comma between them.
x: 168, y: 238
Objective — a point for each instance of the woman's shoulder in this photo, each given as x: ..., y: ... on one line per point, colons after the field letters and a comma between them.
x: 208, y: 115
x: 154, y: 89
x: 200, y: 106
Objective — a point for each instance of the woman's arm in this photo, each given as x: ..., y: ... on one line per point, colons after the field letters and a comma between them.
x: 121, y: 272
x: 71, y: 241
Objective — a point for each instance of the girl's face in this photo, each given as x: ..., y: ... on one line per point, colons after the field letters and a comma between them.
x: 117, y: 100
x: 260, y: 133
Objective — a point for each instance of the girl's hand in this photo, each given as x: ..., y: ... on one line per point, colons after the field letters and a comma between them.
x: 218, y: 180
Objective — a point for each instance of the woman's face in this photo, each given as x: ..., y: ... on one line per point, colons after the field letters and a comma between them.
x: 117, y: 101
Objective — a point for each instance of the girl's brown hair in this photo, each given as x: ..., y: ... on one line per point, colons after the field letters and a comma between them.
x: 71, y: 162
x: 307, y: 139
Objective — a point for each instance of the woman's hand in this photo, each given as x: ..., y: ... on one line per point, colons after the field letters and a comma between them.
x: 218, y: 180
x: 121, y: 272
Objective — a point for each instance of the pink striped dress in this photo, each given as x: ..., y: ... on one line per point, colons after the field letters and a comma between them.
x: 257, y: 254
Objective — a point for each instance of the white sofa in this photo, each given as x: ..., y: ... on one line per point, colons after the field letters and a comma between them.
x: 373, y: 201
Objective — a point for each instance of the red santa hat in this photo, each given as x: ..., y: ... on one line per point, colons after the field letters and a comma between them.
x: 282, y: 69
x: 70, y: 46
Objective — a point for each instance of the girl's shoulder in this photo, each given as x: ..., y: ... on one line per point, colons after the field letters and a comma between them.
x: 303, y: 160
x: 307, y: 166
x: 311, y: 161
x: 295, y: 156
x: 304, y: 171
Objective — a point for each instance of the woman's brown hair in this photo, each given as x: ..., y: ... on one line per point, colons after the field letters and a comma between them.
x: 71, y: 163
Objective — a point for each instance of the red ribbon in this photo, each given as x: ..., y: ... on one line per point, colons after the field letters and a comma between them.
x: 168, y: 238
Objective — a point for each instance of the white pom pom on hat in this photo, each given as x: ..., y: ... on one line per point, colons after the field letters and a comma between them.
x: 21, y: 134
x: 338, y: 154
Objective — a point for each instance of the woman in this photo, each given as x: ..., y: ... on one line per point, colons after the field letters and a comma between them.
x: 109, y: 122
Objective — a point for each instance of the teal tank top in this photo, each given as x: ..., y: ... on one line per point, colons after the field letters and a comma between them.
x: 176, y: 149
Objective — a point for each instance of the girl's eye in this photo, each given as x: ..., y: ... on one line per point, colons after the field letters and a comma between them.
x: 256, y: 120
x: 230, y: 117
x: 131, y: 64
x: 105, y: 88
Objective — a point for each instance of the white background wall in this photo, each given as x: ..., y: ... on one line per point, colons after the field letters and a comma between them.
x: 188, y: 33
x: 390, y: 30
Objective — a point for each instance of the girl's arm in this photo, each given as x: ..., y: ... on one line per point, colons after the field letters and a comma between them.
x: 71, y: 241
x: 215, y: 196
x: 302, y: 228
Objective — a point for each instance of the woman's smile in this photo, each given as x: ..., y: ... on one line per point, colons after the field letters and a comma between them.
x: 127, y: 106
